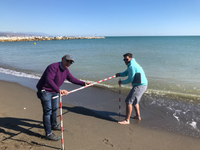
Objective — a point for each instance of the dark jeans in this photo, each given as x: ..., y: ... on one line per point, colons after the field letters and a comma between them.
x: 49, y: 106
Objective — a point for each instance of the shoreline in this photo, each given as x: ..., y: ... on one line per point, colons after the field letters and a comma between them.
x: 21, y: 127
x: 170, y: 115
x: 193, y: 97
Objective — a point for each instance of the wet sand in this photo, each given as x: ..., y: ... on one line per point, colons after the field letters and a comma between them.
x: 21, y: 127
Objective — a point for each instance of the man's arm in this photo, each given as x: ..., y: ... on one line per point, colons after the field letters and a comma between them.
x: 73, y: 80
x: 131, y: 74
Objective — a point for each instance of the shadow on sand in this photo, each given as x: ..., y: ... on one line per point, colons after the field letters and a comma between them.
x: 106, y: 115
x: 20, y: 125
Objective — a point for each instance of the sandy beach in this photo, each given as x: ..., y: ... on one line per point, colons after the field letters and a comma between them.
x: 21, y: 128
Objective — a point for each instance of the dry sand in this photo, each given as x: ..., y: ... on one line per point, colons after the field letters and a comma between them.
x: 21, y: 128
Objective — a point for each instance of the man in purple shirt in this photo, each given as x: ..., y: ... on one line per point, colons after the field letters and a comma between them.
x: 49, y: 86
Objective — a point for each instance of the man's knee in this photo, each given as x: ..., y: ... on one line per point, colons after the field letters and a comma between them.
x: 47, y: 112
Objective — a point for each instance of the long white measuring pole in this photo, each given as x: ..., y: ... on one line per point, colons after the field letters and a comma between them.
x: 83, y: 87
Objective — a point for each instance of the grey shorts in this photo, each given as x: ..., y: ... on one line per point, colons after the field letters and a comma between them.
x: 135, y: 94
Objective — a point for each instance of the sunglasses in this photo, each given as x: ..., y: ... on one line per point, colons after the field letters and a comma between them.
x: 125, y: 59
x: 69, y: 61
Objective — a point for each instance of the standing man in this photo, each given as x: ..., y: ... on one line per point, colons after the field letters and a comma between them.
x: 49, y: 86
x: 137, y: 77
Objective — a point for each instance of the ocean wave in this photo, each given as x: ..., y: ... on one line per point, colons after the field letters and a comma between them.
x: 18, y: 74
x: 112, y: 86
x: 174, y: 95
x: 183, y: 117
x: 33, y: 76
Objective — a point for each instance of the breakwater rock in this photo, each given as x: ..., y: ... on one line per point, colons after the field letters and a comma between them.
x: 40, y: 38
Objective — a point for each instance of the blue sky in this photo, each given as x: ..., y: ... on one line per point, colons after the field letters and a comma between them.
x: 101, y: 17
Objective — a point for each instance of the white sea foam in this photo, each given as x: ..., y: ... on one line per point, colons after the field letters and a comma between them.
x: 194, y: 125
x: 177, y: 118
x: 32, y: 76
x: 18, y: 74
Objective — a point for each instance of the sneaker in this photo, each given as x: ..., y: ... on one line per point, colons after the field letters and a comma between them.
x: 57, y: 127
x: 52, y: 137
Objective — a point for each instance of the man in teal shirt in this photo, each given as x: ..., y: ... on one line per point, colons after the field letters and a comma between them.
x: 137, y: 77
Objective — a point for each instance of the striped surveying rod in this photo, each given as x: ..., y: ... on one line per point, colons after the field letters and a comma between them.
x: 119, y: 99
x: 60, y: 97
x: 83, y: 87
x: 61, y: 122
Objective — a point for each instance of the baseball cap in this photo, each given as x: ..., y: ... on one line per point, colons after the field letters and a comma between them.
x: 68, y: 57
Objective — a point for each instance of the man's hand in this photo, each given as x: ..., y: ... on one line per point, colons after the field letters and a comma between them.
x: 87, y: 83
x: 120, y: 82
x: 63, y: 92
x: 117, y: 74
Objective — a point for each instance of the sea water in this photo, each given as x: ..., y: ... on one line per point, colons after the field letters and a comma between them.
x: 171, y: 64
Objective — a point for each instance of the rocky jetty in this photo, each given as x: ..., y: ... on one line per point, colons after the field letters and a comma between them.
x: 41, y: 38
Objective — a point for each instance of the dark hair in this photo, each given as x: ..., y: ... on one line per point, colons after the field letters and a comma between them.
x: 128, y: 54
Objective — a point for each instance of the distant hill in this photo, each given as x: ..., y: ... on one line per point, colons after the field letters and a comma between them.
x: 11, y: 34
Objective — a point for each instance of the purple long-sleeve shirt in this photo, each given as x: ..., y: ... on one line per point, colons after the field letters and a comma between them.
x: 54, y: 76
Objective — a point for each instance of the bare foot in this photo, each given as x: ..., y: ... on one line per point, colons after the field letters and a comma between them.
x: 136, y: 117
x: 124, y: 122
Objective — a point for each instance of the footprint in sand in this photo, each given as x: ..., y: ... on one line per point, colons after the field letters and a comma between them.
x: 2, y: 130
x: 106, y: 141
